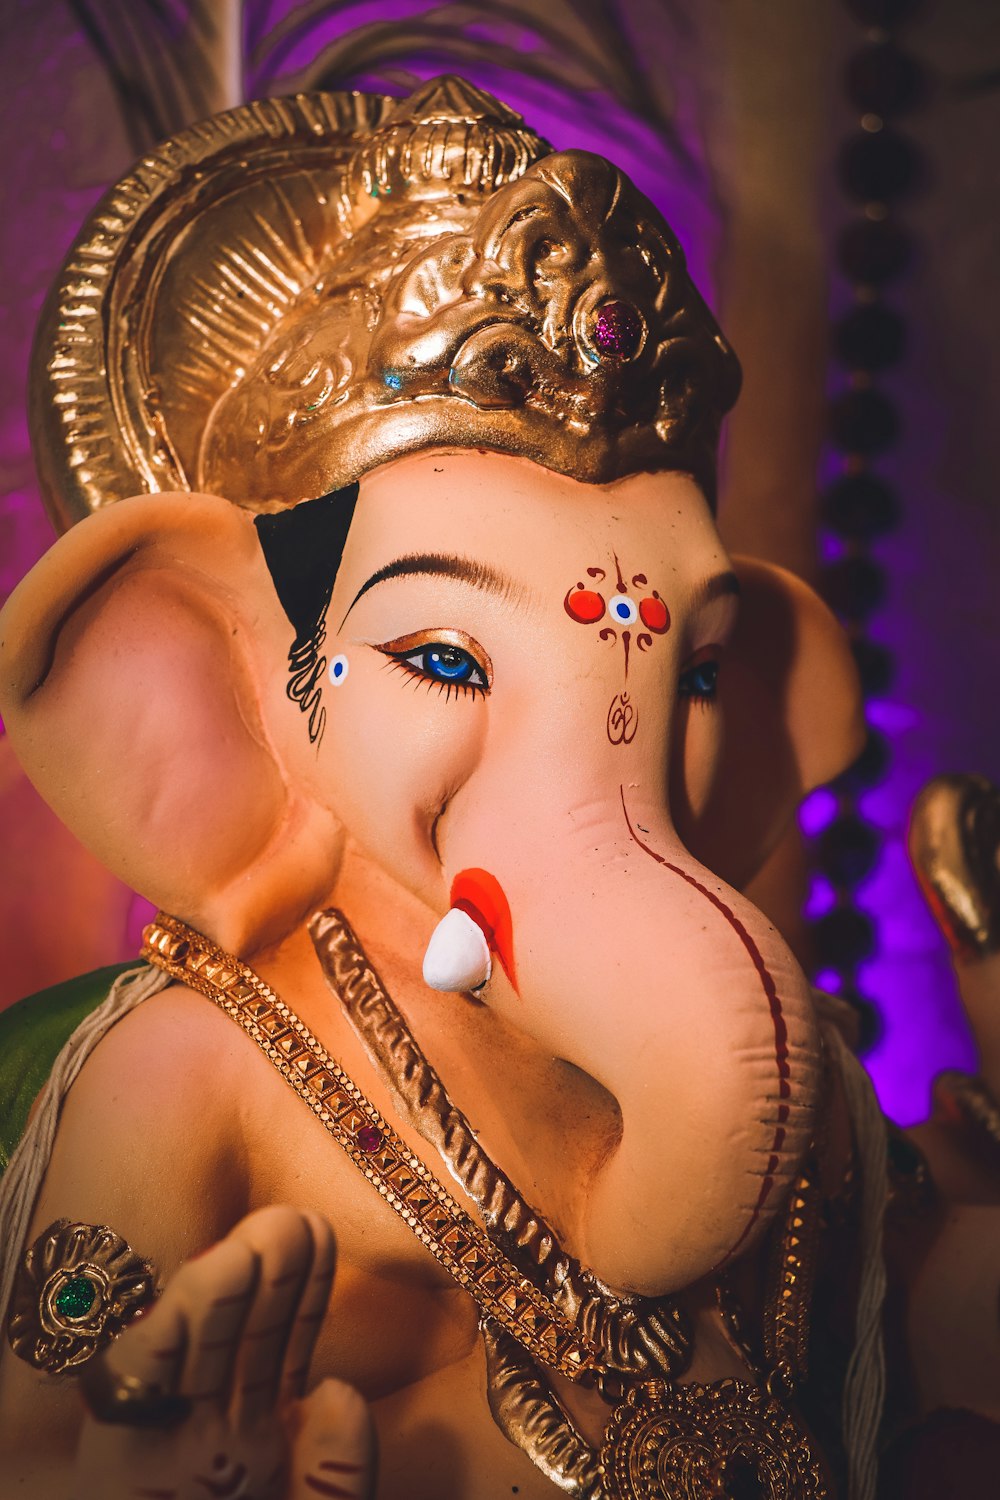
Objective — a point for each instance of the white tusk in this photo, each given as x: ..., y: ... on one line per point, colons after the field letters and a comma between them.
x: 458, y: 955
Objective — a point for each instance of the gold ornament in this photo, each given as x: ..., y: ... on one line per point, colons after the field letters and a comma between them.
x: 789, y: 1297
x: 727, y: 1441
x: 77, y: 1287
x: 499, y: 1289
x: 636, y: 1335
x: 282, y: 298
x: 127, y: 1401
x: 954, y: 843
x: 529, y: 1415
x: 663, y: 1442
x: 783, y: 1361
x: 173, y: 284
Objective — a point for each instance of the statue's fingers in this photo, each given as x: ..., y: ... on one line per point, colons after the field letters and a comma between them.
x: 134, y: 1409
x: 216, y: 1292
x: 137, y: 1381
x: 311, y: 1311
x: 333, y: 1446
x: 282, y: 1240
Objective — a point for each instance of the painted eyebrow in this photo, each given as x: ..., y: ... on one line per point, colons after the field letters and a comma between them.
x: 718, y: 587
x: 442, y: 565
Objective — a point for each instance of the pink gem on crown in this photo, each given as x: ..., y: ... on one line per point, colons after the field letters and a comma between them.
x: 618, y: 330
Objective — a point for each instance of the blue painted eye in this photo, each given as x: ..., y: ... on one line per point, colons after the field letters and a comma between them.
x: 448, y: 663
x: 699, y: 681
x: 445, y: 665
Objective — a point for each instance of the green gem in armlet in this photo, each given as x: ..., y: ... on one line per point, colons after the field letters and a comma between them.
x: 78, y: 1286
x: 75, y: 1298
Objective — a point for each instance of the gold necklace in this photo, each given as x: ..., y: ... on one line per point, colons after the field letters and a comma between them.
x: 707, y: 1442
x: 439, y: 1223
x: 637, y: 1336
x: 690, y: 1441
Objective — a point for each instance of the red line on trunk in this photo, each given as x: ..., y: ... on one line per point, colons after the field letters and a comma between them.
x: 777, y: 1020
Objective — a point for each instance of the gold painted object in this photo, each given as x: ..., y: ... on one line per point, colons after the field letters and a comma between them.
x: 126, y: 1401
x: 791, y: 1280
x: 637, y: 1336
x: 499, y: 1289
x: 954, y: 844
x: 295, y: 291
x: 782, y: 1363
x: 78, y: 1286
x: 707, y: 1442
x: 531, y: 1417
x: 685, y: 1442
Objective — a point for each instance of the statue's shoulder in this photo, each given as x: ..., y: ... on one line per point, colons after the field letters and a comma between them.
x: 32, y: 1034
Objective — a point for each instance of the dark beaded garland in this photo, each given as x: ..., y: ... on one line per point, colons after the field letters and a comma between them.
x: 844, y: 938
x: 877, y: 167
x: 854, y: 586
x: 882, y: 80
x: 860, y: 507
x: 863, y: 422
x: 874, y: 251
x: 870, y: 338
x: 875, y: 667
x: 868, y: 1019
x: 882, y: 13
x: 868, y: 770
x: 848, y: 849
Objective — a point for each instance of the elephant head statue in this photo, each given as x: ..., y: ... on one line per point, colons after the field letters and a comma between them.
x: 536, y: 698
x: 399, y: 590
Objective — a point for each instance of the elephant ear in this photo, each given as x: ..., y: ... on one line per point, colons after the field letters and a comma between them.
x: 790, y: 711
x: 143, y: 666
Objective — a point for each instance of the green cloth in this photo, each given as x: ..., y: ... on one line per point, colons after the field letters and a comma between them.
x: 32, y: 1034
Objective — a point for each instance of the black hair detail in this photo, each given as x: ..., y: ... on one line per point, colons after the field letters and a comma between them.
x: 302, y: 548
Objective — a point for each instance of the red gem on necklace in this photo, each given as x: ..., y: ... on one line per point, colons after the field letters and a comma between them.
x: 369, y: 1139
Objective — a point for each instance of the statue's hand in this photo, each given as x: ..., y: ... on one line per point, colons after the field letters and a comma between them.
x: 202, y: 1399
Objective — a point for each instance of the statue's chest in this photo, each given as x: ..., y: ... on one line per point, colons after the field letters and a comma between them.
x: 396, y: 1314
x: 399, y: 1327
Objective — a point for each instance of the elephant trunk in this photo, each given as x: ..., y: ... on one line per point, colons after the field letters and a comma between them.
x: 635, y: 964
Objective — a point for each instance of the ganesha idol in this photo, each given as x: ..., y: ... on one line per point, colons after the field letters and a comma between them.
x: 463, y: 1131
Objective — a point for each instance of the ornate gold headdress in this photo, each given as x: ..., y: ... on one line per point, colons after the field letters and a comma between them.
x: 295, y: 291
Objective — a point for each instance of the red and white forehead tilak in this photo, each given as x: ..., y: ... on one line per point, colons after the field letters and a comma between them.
x: 587, y: 605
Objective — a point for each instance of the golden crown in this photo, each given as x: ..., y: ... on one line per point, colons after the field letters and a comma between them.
x: 295, y: 291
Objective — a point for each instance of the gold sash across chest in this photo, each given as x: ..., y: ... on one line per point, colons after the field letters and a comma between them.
x: 442, y: 1225
x: 688, y: 1442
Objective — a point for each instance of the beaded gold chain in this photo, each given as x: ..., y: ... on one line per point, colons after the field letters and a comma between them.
x: 439, y: 1223
x: 452, y: 1236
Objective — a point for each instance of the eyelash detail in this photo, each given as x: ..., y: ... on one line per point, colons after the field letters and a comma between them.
x: 700, y: 678
x: 443, y: 659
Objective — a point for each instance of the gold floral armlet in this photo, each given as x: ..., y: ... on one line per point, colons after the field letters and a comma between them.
x: 77, y: 1287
